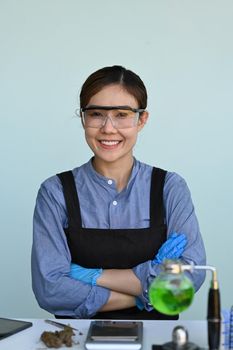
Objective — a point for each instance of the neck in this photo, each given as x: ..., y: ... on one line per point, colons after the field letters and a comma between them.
x: 119, y: 172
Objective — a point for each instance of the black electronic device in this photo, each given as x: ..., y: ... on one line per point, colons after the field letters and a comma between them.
x: 10, y: 326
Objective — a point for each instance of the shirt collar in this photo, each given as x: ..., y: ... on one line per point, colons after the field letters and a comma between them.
x: 104, y: 180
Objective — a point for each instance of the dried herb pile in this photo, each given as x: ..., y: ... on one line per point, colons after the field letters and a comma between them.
x: 57, y: 339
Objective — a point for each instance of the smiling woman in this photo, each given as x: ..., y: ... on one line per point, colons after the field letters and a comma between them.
x: 102, y: 230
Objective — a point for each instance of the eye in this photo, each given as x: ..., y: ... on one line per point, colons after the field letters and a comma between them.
x: 122, y: 115
x: 94, y: 114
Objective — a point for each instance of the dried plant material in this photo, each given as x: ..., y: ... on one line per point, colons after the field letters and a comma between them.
x: 57, y: 339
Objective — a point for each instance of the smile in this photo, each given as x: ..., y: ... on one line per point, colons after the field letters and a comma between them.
x: 109, y: 143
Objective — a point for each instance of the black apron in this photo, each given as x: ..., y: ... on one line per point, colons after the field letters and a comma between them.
x: 116, y: 248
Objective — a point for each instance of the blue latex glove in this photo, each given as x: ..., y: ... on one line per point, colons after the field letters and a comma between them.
x: 85, y: 275
x: 173, y: 248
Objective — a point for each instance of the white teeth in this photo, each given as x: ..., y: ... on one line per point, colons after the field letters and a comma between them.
x: 110, y: 143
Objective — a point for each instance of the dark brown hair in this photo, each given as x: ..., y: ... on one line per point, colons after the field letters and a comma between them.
x: 130, y: 81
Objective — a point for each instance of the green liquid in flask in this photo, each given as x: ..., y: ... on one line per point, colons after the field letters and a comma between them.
x: 171, y: 294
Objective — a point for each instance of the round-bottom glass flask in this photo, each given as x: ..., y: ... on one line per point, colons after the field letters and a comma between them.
x: 171, y: 292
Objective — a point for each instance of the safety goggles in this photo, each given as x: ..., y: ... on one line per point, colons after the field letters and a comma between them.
x: 122, y: 117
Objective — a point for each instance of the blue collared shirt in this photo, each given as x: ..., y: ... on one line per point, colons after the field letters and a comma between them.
x: 102, y: 206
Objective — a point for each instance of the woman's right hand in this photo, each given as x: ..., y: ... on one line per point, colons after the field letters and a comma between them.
x: 85, y: 275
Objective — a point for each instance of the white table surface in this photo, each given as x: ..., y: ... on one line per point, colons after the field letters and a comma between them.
x: 154, y: 332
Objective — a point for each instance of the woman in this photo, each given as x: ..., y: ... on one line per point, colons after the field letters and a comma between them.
x: 102, y: 230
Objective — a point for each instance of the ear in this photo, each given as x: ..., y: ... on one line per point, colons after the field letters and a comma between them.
x: 142, y: 120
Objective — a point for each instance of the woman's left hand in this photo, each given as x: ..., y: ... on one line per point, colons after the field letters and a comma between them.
x: 173, y: 248
x: 85, y: 275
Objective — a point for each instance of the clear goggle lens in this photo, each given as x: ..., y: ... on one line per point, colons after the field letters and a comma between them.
x: 120, y: 118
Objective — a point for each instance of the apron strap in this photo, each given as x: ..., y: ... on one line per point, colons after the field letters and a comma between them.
x: 157, y: 210
x: 71, y: 199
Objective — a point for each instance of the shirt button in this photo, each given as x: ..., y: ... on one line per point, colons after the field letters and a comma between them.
x: 109, y: 182
x: 114, y: 202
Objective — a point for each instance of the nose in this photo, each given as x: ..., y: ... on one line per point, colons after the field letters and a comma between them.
x: 108, y: 124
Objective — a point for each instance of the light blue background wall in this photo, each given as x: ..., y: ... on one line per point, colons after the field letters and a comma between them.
x: 183, y: 50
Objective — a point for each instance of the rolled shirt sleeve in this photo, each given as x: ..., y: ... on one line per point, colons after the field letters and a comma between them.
x: 54, y: 290
x: 180, y: 218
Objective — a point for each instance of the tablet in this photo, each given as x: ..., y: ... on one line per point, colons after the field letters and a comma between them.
x: 9, y: 327
x: 104, y: 335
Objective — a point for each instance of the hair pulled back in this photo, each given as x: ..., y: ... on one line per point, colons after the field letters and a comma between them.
x: 103, y: 77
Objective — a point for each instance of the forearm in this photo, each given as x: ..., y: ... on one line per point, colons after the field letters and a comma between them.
x: 120, y: 280
x: 59, y: 294
x: 55, y: 291
x: 181, y: 217
x: 118, y: 301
